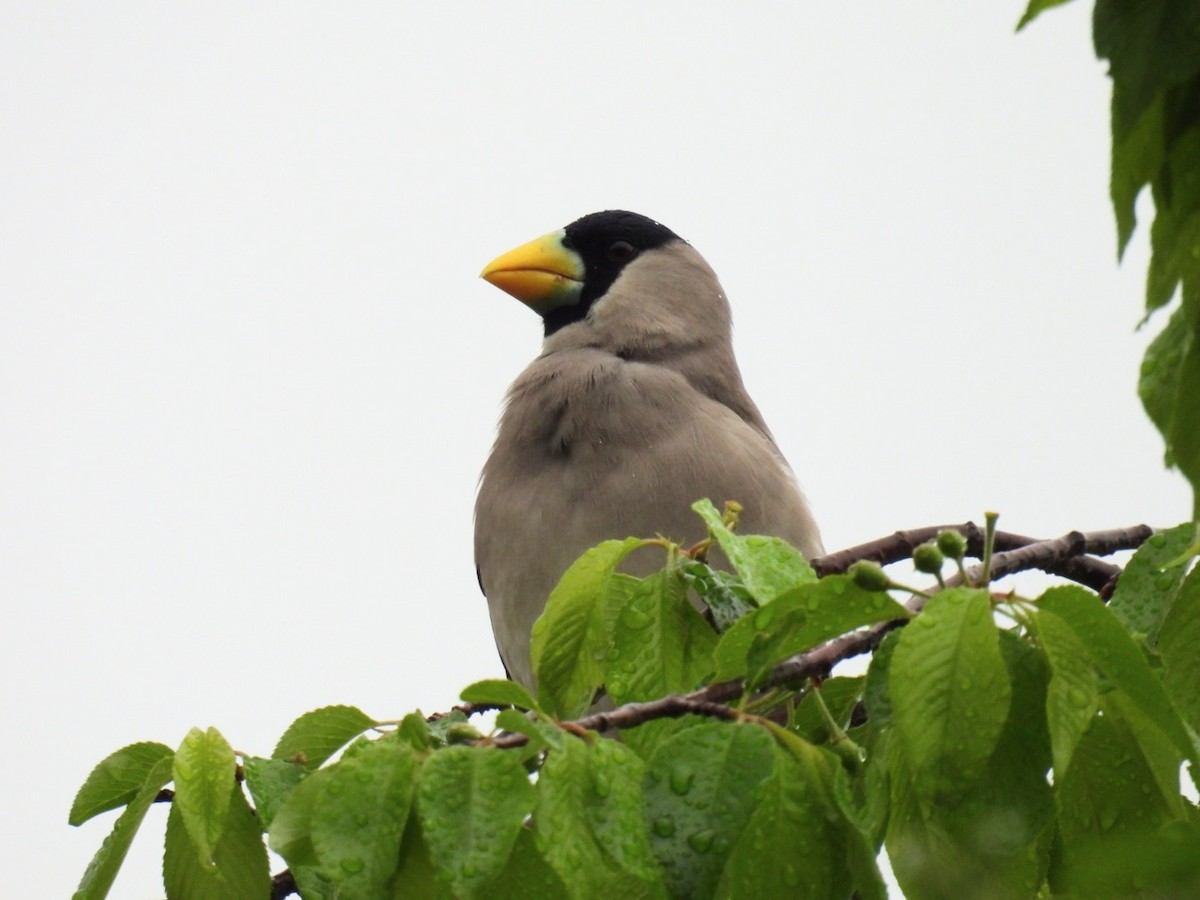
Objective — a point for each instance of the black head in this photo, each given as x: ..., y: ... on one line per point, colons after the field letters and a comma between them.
x: 606, y: 242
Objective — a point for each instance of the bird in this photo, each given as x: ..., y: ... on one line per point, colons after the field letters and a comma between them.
x: 634, y: 409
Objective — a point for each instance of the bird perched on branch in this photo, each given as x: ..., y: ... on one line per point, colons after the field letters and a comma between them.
x: 634, y: 409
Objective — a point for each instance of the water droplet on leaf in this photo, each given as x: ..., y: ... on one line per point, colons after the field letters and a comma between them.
x: 701, y: 841
x: 681, y: 779
x: 603, y: 784
x: 633, y: 617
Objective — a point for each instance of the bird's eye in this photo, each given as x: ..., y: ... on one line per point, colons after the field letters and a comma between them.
x: 620, y: 251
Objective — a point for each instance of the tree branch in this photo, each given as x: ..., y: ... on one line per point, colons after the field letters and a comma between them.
x: 1084, y: 569
x: 1072, y: 552
x: 630, y: 715
x: 1045, y: 555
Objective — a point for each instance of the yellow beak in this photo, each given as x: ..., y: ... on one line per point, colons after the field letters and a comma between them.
x: 542, y: 274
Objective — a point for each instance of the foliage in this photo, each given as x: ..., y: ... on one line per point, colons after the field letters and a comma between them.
x: 689, y: 739
x: 1153, y: 51
x: 941, y: 753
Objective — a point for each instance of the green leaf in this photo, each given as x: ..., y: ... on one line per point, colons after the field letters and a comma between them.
x: 1035, y: 9
x: 768, y: 565
x: 415, y: 730
x: 1146, y: 589
x: 1118, y: 833
x: 204, y: 768
x: 117, y: 779
x: 810, y: 615
x: 853, y: 868
x: 661, y: 645
x: 291, y: 832
x: 950, y: 692
x: 1171, y: 372
x: 415, y: 875
x: 541, y: 734
x: 787, y: 848
x: 1150, y: 46
x: 994, y: 841
x: 859, y: 826
x: 840, y: 696
x: 1153, y: 48
x: 103, y: 868
x: 440, y: 727
x: 317, y: 735
x: 616, y: 810
x: 1183, y: 436
x: 1180, y: 648
x: 877, y: 697
x: 306, y: 810
x: 1138, y: 156
x: 1172, y: 237
x: 1005, y: 823
x: 270, y: 781
x: 1162, y: 281
x: 871, y: 789
x: 359, y: 816
x: 1074, y: 692
x: 1162, y: 757
x: 571, y: 637
x: 241, y: 871
x: 526, y: 876
x: 1176, y: 227
x: 799, y: 620
x: 721, y: 592
x: 703, y: 785
x: 498, y: 692
x: 1117, y: 657
x: 572, y: 797
x: 1158, y: 382
x: 472, y: 802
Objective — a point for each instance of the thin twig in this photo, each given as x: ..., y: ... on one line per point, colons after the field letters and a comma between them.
x: 1044, y: 555
x: 1086, y: 570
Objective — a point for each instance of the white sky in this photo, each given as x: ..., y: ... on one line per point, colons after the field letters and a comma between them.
x: 248, y: 374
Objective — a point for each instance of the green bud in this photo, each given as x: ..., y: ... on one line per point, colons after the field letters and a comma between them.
x: 952, y: 543
x: 928, y: 558
x: 729, y: 518
x: 869, y: 575
x: 461, y: 733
